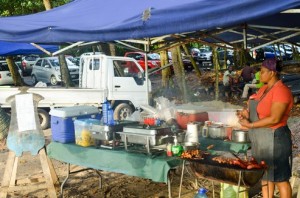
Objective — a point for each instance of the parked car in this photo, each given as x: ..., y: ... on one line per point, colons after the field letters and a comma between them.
x: 205, y: 54
x: 47, y: 70
x: 268, y: 52
x: 153, y: 59
x: 229, y: 57
x: 27, y: 63
x: 5, y: 75
x: 195, y: 52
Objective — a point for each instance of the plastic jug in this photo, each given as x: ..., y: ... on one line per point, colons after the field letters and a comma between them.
x: 105, y: 107
x: 201, y: 193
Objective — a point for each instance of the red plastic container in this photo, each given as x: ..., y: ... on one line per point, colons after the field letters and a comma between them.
x: 184, y: 116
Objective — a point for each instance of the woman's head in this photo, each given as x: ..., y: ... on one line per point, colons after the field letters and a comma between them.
x: 270, y: 69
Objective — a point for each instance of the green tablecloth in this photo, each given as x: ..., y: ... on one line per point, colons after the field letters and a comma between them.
x: 221, y: 145
x: 119, y: 161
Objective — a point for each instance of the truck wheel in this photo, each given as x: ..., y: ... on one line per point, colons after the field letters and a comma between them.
x: 122, y: 111
x: 44, y: 118
x: 53, y: 80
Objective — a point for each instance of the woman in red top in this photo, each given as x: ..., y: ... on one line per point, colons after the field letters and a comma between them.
x: 266, y: 119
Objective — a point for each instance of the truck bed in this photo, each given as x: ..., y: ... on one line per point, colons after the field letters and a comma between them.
x: 58, y: 97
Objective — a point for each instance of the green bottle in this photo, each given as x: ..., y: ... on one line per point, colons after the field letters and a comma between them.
x: 177, y: 149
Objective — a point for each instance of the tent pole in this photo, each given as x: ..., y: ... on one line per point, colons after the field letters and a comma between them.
x: 245, y: 36
x: 66, y: 48
x: 147, y: 49
x: 277, y: 40
x: 42, y: 49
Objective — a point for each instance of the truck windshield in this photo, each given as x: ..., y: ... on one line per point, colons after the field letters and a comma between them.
x: 125, y: 68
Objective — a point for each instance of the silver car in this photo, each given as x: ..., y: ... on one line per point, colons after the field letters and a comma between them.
x: 47, y: 70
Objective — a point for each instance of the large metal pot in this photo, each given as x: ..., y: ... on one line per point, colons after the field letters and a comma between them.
x: 217, y: 132
x: 240, y: 136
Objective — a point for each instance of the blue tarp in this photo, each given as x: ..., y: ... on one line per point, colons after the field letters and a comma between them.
x: 95, y: 20
x: 10, y: 48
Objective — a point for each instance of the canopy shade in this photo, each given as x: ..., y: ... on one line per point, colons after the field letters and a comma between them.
x: 10, y: 48
x: 94, y: 20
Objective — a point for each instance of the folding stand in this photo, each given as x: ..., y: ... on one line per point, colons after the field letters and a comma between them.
x: 9, y: 178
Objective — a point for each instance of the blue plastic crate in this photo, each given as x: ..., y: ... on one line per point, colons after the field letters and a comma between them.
x: 62, y: 121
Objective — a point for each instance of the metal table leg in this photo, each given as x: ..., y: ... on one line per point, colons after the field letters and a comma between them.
x: 181, y: 178
x: 69, y: 173
x: 169, y: 187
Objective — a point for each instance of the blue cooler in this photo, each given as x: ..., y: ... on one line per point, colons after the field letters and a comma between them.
x: 62, y: 121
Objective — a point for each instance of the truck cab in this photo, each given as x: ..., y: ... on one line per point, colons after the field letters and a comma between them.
x: 121, y: 78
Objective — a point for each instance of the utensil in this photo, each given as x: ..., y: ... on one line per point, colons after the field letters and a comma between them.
x: 240, y: 136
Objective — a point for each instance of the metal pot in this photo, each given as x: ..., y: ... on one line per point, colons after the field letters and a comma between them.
x: 217, y: 132
x: 240, y: 136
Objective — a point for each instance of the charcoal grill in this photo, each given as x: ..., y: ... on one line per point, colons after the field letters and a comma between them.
x: 226, y: 173
x: 148, y: 136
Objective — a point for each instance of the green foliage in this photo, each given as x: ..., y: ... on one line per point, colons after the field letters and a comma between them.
x: 23, y: 7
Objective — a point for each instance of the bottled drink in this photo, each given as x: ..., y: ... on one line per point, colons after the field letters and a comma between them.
x: 205, y: 130
x: 177, y: 149
x: 201, y: 193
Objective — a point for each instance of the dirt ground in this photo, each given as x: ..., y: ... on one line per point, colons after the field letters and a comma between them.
x: 115, y: 185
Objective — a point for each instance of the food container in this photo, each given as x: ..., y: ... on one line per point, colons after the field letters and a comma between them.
x: 217, y: 132
x: 190, y: 113
x: 240, y: 136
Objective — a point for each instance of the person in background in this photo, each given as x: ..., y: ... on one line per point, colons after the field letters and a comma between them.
x: 266, y: 119
x: 247, y: 73
x: 228, y: 79
x: 255, y: 84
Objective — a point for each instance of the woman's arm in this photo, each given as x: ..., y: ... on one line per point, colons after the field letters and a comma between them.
x: 277, y: 111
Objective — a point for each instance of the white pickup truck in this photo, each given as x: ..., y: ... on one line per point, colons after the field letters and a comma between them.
x: 120, y: 80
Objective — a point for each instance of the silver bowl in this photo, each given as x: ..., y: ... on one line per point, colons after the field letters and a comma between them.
x: 187, y: 146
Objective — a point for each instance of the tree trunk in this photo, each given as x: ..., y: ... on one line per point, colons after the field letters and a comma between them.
x: 178, y: 72
x: 112, y: 49
x: 165, y: 73
x: 47, y: 4
x: 198, y: 72
x: 14, y: 71
x: 65, y: 74
x: 216, y: 68
x: 181, y: 66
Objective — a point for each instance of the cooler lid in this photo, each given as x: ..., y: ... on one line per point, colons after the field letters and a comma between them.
x: 74, y: 111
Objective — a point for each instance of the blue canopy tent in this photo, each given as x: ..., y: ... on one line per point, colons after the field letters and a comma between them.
x: 11, y: 48
x: 94, y: 20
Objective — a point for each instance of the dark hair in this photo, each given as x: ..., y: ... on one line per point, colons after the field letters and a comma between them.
x: 248, y: 64
x: 279, y: 65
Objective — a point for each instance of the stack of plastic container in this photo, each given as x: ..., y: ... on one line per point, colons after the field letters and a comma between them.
x: 62, y: 121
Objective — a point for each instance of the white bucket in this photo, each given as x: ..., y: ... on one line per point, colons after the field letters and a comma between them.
x: 192, y: 132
